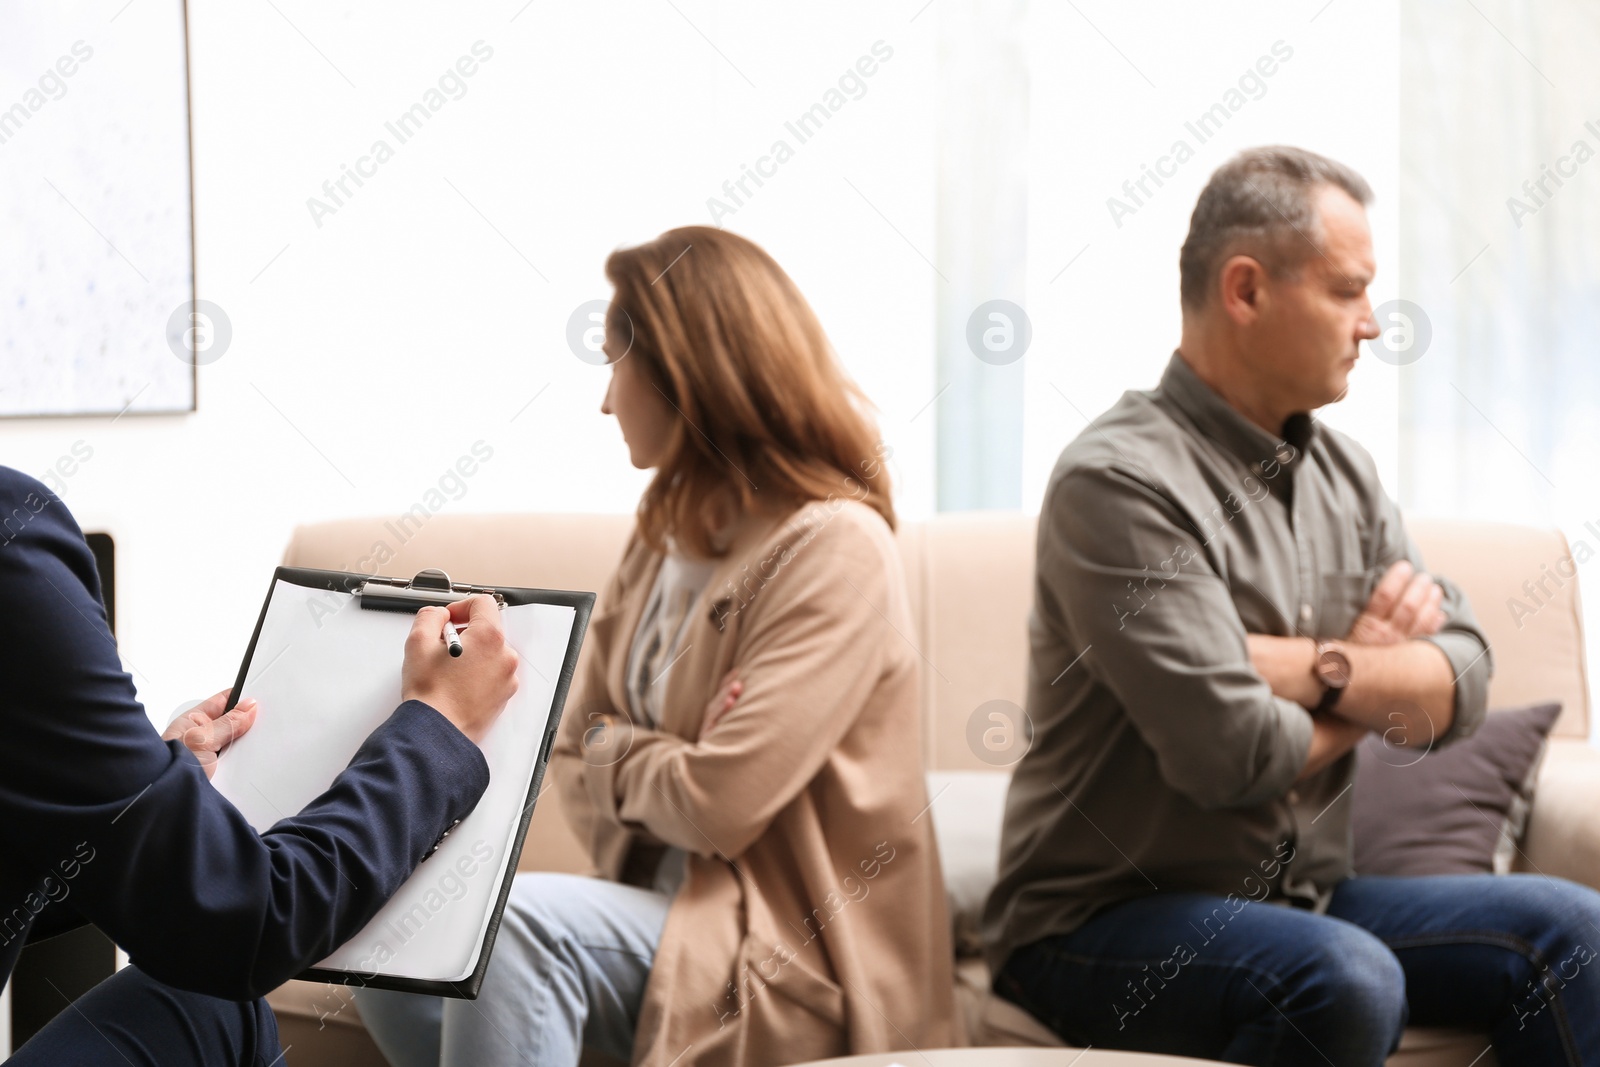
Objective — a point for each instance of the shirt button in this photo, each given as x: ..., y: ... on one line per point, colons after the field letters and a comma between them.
x: 1294, y: 796
x: 442, y: 836
x: 1305, y: 612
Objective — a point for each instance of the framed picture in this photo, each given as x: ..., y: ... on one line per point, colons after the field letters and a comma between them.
x: 96, y: 211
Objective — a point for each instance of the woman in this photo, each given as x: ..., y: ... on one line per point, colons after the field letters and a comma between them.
x: 742, y: 755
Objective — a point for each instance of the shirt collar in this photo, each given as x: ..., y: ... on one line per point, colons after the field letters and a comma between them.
x: 1220, y: 422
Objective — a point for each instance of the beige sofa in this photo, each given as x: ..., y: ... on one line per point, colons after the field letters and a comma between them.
x: 969, y: 578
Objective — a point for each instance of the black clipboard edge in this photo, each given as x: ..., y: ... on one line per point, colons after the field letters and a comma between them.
x: 582, y: 605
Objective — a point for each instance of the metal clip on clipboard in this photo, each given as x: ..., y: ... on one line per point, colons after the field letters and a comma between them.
x: 429, y: 587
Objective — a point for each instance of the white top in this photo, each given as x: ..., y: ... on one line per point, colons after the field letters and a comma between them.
x: 657, y: 645
x: 658, y: 642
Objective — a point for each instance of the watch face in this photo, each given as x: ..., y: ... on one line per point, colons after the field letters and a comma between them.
x: 1333, y: 668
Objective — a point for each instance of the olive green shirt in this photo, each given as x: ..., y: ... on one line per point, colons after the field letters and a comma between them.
x: 1160, y: 761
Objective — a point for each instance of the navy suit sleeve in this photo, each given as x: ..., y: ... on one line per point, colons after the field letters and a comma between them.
x: 128, y: 826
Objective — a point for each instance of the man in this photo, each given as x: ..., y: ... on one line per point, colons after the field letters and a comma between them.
x: 1248, y: 606
x: 103, y: 821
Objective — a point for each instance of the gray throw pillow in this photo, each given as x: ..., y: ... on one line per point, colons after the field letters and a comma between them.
x: 1460, y: 809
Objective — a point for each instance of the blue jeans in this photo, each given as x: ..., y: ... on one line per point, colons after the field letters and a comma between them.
x: 1511, y: 956
x: 130, y: 1018
x: 569, y: 969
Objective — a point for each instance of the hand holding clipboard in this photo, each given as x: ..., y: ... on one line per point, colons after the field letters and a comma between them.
x: 330, y: 659
x: 471, y: 695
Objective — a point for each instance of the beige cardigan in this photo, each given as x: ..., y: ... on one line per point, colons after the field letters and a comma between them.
x: 812, y: 918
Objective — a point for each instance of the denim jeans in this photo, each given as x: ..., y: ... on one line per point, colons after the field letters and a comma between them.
x: 568, y: 969
x: 1513, y: 957
x: 132, y: 1019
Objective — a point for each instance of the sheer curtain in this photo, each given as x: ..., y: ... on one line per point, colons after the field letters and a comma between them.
x: 1500, y: 410
x: 1500, y: 249
x: 982, y: 234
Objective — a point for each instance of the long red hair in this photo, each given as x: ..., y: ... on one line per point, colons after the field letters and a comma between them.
x: 767, y: 413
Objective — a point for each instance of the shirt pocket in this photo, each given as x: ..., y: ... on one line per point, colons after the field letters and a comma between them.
x: 1343, y: 595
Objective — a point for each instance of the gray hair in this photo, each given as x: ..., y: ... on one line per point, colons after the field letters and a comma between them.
x: 1259, y: 203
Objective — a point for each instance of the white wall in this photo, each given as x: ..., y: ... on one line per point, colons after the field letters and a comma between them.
x: 371, y: 352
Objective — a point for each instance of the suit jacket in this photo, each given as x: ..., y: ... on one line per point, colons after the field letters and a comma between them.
x: 812, y: 919
x: 103, y: 822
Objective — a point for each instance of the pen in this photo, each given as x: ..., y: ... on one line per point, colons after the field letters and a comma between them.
x: 452, y: 638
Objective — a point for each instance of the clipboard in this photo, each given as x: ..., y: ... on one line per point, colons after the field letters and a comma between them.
x: 324, y: 663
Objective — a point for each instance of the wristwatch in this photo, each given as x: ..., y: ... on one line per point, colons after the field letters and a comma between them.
x: 1332, y: 668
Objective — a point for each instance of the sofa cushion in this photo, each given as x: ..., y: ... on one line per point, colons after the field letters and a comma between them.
x: 968, y: 808
x: 1522, y: 583
x: 1466, y: 804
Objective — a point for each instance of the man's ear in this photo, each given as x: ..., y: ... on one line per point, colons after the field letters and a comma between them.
x: 1240, y: 283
